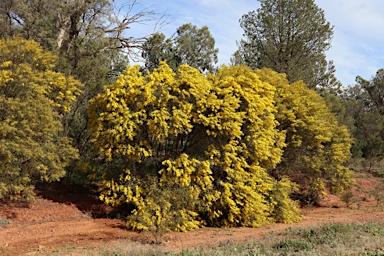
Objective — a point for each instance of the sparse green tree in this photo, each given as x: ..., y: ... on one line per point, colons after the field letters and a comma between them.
x: 196, y: 47
x: 189, y: 45
x: 159, y: 48
x: 375, y: 91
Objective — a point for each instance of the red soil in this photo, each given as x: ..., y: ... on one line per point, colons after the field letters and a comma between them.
x: 67, y: 216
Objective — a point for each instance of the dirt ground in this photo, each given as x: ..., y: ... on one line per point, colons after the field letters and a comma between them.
x: 67, y: 216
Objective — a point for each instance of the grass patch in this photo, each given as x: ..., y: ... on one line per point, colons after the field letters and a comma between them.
x: 329, y: 239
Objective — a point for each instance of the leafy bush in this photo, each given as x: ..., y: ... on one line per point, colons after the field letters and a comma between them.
x: 5, y: 222
x: 347, y: 197
x: 377, y: 192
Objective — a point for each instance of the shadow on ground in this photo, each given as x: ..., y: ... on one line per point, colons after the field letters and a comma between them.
x: 84, y: 197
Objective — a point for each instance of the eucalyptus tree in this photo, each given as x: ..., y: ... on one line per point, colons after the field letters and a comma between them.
x: 189, y: 45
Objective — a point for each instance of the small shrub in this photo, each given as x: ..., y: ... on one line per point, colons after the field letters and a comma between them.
x: 5, y: 222
x: 347, y: 197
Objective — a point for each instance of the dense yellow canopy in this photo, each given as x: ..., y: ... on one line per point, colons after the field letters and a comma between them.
x: 204, y: 140
x: 32, y: 100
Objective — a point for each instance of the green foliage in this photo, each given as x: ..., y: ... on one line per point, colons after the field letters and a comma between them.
x: 189, y: 45
x: 363, y: 103
x: 31, y: 19
x: 316, y: 145
x: 33, y: 98
x: 290, y: 37
x: 347, y: 197
x: 210, y: 137
x: 158, y: 48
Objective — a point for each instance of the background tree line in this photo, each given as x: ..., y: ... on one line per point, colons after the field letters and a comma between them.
x: 225, y: 140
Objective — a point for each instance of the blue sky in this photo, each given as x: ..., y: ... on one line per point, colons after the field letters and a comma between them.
x: 357, y: 44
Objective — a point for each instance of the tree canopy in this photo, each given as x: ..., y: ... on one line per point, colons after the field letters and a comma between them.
x: 290, y: 37
x: 365, y: 108
x: 189, y: 45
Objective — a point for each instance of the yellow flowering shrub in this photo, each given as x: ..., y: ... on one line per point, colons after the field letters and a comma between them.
x: 198, y: 149
x: 23, y: 63
x: 317, y: 146
x: 33, y: 98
